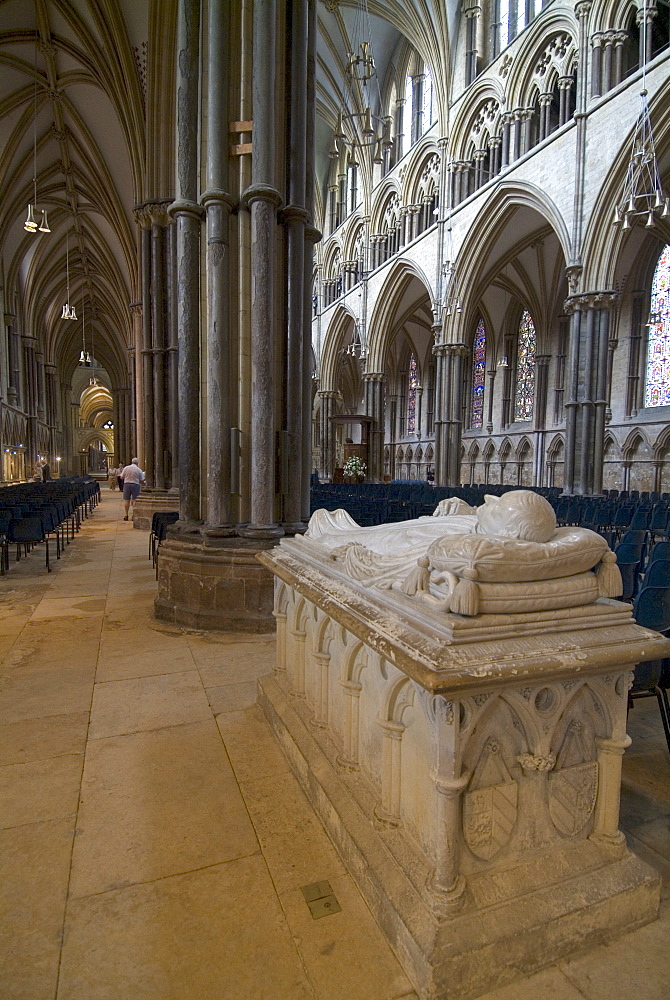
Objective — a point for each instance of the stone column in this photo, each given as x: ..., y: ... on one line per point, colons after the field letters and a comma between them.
x: 41, y: 389
x: 296, y: 217
x: 218, y: 203
x: 571, y: 404
x: 374, y: 407
x: 600, y: 401
x: 540, y: 412
x: 645, y: 19
x: 328, y: 399
x: 148, y: 425
x: 596, y: 64
x: 312, y: 235
x: 608, y: 52
x: 442, y: 380
x: 492, y: 372
x: 172, y: 357
x: 159, y: 220
x: 472, y: 18
x: 507, y: 119
x: 264, y: 200
x: 619, y: 40
x: 586, y: 406
x: 606, y: 821
x: 187, y: 213
x: 458, y: 353
x: 495, y: 143
x: 564, y: 88
x: 13, y: 363
x: 138, y: 444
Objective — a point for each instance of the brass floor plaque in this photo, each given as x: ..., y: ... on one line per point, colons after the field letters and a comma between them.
x: 324, y: 907
x: 320, y: 898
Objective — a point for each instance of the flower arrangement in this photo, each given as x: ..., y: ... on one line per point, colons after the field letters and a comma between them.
x: 354, y: 467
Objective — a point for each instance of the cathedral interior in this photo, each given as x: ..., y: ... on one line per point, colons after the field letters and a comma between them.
x: 268, y: 247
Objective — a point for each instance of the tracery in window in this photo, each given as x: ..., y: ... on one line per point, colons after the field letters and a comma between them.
x: 478, y: 376
x: 412, y: 386
x: 657, y: 382
x: 524, y: 390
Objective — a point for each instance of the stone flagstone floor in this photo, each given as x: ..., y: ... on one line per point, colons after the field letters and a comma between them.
x: 153, y: 840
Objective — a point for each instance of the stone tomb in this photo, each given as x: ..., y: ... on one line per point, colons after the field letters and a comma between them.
x: 467, y: 767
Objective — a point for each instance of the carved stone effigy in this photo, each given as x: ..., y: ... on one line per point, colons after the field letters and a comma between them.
x: 466, y: 766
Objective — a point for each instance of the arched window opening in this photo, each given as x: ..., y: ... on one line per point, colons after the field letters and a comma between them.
x: 660, y: 27
x: 478, y: 377
x: 631, y: 47
x: 352, y: 184
x: 657, y: 382
x: 427, y: 111
x: 508, y: 19
x: 419, y: 109
x: 524, y: 390
x: 412, y: 388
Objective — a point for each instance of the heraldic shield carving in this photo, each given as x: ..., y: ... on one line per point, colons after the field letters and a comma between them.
x: 573, y: 785
x: 490, y: 804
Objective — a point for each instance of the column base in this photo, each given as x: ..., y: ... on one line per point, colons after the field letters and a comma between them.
x: 214, y: 583
x: 294, y: 527
x: 505, y: 923
x: 261, y: 531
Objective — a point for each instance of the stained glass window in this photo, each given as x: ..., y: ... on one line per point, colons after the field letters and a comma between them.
x: 524, y: 390
x: 657, y: 383
x: 411, y: 395
x: 478, y: 376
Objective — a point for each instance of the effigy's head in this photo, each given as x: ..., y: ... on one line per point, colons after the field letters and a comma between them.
x: 518, y: 514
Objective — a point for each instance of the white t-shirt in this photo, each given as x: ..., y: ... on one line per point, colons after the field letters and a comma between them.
x: 132, y: 474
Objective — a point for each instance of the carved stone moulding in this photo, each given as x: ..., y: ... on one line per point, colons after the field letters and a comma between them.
x: 466, y: 769
x: 214, y: 584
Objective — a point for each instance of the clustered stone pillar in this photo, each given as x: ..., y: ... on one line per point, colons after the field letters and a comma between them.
x: 587, y: 389
x: 449, y: 411
x: 374, y: 407
x: 187, y: 213
x: 256, y: 362
x: 327, y: 410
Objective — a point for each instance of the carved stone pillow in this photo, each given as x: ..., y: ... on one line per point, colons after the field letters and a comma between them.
x: 511, y: 560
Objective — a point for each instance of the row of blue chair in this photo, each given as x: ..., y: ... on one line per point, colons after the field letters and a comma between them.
x: 32, y: 513
x: 652, y: 678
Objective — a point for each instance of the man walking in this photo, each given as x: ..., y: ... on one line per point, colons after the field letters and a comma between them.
x: 132, y: 477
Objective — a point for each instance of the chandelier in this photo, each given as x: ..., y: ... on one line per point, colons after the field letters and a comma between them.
x: 31, y: 224
x: 643, y: 194
x: 356, y: 349
x: 68, y: 310
x: 84, y: 357
x: 370, y: 131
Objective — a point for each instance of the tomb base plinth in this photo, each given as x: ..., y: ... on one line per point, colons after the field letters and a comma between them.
x: 214, y: 583
x: 467, y: 769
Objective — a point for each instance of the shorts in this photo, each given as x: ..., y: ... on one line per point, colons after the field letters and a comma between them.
x: 131, y: 491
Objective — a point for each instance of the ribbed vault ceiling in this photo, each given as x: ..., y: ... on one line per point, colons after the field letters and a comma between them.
x: 71, y: 79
